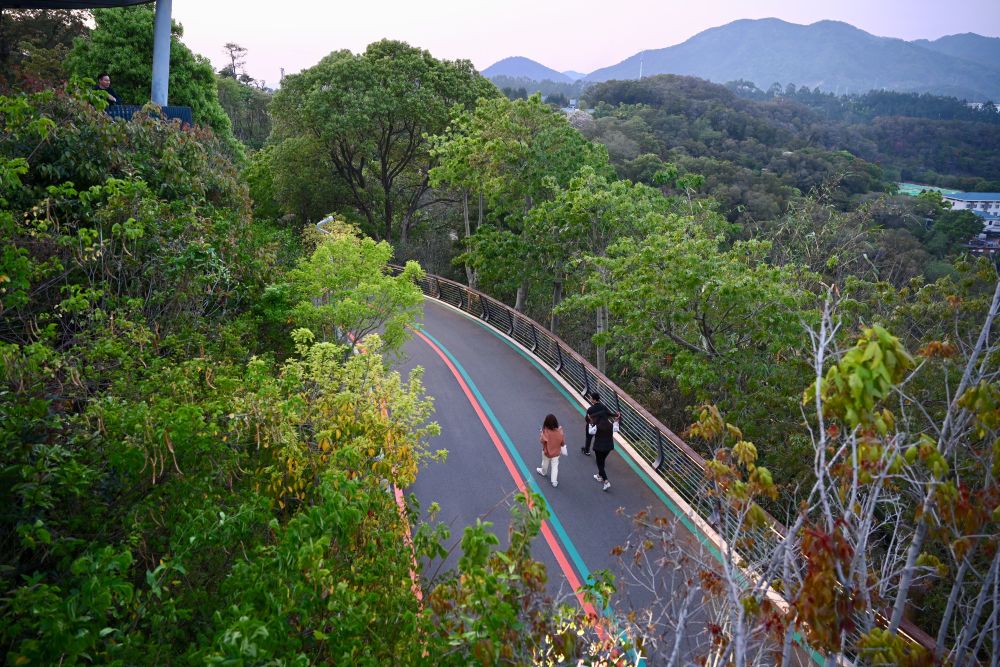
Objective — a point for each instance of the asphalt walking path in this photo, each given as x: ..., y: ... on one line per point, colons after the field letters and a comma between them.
x: 490, y: 400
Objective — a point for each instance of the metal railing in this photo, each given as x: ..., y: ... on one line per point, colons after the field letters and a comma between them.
x: 679, y: 466
x: 126, y: 111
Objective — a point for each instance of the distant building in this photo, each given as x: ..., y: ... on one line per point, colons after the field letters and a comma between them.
x: 986, y: 202
x: 984, y: 246
x: 991, y: 223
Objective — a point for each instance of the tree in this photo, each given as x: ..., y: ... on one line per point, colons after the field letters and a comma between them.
x: 576, y: 227
x: 247, y: 108
x: 715, y: 319
x: 237, y: 60
x: 122, y: 44
x: 951, y: 230
x: 370, y: 115
x: 26, y: 30
x: 515, y: 155
x: 557, y: 100
x: 342, y: 292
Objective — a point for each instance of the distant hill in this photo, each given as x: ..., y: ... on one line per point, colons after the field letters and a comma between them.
x: 574, y: 75
x: 967, y: 46
x: 518, y: 67
x: 831, y: 55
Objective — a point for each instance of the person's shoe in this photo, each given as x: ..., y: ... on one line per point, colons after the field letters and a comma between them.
x: 586, y: 452
x: 598, y: 478
x: 555, y: 484
x: 539, y: 471
x: 607, y: 485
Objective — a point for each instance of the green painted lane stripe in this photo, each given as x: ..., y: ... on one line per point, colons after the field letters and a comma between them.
x: 655, y: 488
x: 548, y: 375
x: 529, y: 478
x: 516, y: 456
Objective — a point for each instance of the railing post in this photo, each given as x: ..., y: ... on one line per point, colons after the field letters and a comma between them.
x: 559, y: 363
x: 659, y: 451
x: 534, y: 338
x: 513, y: 321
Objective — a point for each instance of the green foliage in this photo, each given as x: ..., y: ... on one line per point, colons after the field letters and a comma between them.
x: 719, y: 322
x: 122, y: 44
x: 864, y: 376
x: 343, y: 291
x: 169, y: 493
x: 247, y: 108
x: 516, y: 155
x: 369, y: 116
x: 755, y: 157
x: 29, y: 35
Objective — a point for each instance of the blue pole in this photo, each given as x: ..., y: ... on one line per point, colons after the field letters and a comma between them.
x: 161, y: 53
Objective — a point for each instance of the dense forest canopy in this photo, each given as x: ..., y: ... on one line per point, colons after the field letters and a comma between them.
x: 195, y: 453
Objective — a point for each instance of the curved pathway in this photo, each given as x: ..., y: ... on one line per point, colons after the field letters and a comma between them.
x: 490, y: 399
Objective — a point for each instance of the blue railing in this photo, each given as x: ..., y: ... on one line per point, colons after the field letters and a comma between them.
x: 126, y: 111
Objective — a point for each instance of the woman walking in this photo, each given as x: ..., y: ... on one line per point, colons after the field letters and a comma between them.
x: 552, y: 439
x: 604, y: 444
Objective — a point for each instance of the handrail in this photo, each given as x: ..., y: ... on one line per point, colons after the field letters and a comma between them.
x: 679, y: 466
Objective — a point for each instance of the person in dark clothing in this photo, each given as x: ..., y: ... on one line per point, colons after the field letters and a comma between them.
x: 594, y: 413
x: 104, y: 85
x: 604, y: 444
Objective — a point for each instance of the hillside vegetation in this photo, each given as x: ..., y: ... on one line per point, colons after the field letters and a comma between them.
x: 198, y: 460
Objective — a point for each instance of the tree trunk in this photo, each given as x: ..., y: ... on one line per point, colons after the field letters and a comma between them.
x: 522, y: 295
x: 470, y: 273
x: 602, y: 326
x: 956, y: 588
x: 557, y: 293
x: 387, y: 222
x: 906, y: 578
x: 971, y: 625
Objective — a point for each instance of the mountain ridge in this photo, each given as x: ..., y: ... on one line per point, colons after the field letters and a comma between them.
x: 521, y: 67
x: 833, y: 56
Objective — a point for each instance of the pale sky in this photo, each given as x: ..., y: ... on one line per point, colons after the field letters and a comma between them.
x: 581, y: 35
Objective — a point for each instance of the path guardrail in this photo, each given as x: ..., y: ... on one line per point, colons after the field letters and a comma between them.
x: 126, y: 111
x: 679, y: 466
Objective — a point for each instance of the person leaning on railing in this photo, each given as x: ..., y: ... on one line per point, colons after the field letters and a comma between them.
x: 104, y: 85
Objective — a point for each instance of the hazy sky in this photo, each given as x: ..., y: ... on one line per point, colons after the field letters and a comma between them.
x: 582, y: 35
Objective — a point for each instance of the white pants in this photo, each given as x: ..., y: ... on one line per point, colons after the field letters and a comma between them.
x: 546, y: 461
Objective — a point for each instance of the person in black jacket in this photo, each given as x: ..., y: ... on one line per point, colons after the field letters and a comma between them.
x: 604, y: 444
x: 594, y: 413
x: 104, y: 85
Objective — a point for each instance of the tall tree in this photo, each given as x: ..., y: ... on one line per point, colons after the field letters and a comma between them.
x: 237, y: 60
x: 37, y: 28
x: 371, y: 115
x: 516, y: 155
x: 578, y: 225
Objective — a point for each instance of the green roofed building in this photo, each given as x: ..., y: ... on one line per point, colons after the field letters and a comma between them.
x: 914, y: 189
